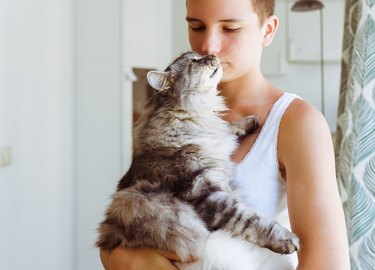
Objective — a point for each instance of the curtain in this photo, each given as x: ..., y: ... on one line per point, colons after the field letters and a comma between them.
x: 355, y: 139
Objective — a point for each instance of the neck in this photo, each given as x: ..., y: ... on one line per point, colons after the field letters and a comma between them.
x: 250, y: 88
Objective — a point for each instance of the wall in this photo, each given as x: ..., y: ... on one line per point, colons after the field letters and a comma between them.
x: 180, y: 41
x: 98, y: 132
x: 292, y: 61
x: 146, y: 43
x: 36, y: 122
x: 110, y: 40
x: 65, y: 111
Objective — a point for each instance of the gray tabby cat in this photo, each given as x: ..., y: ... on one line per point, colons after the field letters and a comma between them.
x: 176, y: 192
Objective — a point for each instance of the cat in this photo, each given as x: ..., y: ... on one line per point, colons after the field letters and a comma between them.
x: 176, y: 194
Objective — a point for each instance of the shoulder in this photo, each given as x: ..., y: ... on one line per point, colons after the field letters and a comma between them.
x: 303, y: 130
x: 301, y: 115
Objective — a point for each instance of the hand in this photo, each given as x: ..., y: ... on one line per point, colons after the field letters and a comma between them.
x: 138, y: 259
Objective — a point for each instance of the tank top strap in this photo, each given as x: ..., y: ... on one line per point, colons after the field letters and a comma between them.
x: 271, y: 126
x: 266, y: 142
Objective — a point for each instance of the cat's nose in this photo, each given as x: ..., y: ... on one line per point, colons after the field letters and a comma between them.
x: 213, y: 60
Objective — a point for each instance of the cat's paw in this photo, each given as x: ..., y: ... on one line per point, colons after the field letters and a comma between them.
x: 245, y: 126
x: 251, y: 123
x: 282, y: 240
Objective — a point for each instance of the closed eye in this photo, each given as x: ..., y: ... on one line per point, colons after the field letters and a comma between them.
x: 197, y: 29
x: 231, y: 30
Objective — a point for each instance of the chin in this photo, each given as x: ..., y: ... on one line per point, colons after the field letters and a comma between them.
x: 225, y: 78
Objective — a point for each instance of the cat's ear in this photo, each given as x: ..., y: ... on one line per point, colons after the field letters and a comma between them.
x: 158, y: 80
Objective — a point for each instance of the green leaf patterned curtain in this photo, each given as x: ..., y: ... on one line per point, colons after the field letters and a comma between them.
x: 355, y: 144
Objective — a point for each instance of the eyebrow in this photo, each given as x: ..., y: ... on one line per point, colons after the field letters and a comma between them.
x: 189, y: 19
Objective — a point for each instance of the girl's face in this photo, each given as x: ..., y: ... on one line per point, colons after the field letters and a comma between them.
x: 228, y: 29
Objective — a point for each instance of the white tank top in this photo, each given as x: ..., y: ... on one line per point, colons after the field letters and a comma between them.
x: 258, y: 181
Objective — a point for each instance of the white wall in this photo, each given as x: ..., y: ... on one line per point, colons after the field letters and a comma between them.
x: 111, y: 37
x: 66, y: 114
x: 146, y: 43
x: 180, y: 41
x: 98, y: 119
x: 147, y: 27
x: 300, y: 32
x: 36, y: 121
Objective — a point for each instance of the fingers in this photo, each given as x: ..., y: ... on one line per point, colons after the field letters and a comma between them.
x: 158, y: 263
x: 170, y: 255
x: 140, y: 258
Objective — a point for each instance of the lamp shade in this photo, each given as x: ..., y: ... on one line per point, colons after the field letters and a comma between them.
x: 307, y: 5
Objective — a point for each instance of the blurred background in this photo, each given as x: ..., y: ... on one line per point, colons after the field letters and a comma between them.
x: 71, y: 82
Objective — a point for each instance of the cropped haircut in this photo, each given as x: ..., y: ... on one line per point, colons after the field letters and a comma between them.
x: 264, y: 9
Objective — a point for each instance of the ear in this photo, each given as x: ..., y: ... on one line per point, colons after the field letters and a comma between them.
x: 158, y: 80
x: 269, y: 30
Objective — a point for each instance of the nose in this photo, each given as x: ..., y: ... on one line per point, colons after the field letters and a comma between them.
x: 213, y: 61
x: 211, y: 43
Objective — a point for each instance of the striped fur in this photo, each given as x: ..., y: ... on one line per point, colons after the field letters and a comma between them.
x: 176, y: 192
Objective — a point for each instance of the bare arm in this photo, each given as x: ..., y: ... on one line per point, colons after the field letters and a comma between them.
x: 315, y: 209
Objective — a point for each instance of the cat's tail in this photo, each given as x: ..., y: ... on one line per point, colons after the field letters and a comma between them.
x: 152, y: 219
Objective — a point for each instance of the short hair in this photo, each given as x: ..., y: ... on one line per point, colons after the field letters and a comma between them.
x: 264, y: 9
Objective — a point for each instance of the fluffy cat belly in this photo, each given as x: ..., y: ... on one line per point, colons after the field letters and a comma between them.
x: 223, y: 252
